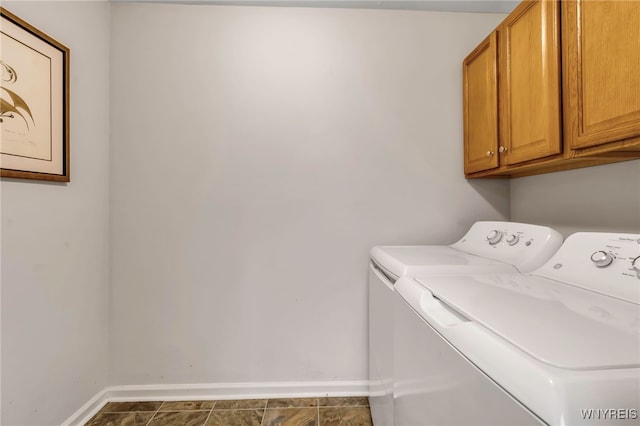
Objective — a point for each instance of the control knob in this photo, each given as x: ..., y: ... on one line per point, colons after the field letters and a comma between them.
x: 494, y: 237
x: 513, y: 239
x: 635, y: 265
x: 602, y: 258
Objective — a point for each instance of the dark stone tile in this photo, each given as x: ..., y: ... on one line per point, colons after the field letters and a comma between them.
x: 292, y: 402
x: 345, y: 416
x: 240, y: 404
x: 235, y: 418
x: 120, y: 419
x: 352, y: 401
x: 125, y: 407
x: 181, y: 418
x: 291, y: 417
x: 186, y: 405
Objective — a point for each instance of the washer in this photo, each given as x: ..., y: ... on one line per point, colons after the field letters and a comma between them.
x: 559, y: 346
x: 487, y: 247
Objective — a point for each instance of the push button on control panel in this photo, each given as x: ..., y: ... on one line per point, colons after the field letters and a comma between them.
x: 602, y: 258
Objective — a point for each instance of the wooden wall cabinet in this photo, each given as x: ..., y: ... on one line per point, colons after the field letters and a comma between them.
x: 552, y: 117
x: 529, y: 81
x: 480, y: 92
x: 601, y: 45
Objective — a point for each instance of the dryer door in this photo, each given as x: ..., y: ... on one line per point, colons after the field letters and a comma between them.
x: 434, y: 383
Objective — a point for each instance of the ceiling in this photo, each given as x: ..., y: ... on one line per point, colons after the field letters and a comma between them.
x: 488, y: 6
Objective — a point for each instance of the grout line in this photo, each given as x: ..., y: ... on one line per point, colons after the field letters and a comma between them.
x: 343, y: 406
x: 154, y: 414
x: 264, y: 413
x: 306, y: 407
x: 209, y: 415
x: 242, y: 409
x: 178, y: 410
x: 289, y: 408
x: 239, y: 409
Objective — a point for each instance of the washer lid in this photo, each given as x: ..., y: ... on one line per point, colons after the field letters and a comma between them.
x: 403, y: 260
x: 556, y: 323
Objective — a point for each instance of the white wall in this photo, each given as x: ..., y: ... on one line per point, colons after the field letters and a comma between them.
x: 602, y: 199
x: 55, y: 242
x: 257, y: 154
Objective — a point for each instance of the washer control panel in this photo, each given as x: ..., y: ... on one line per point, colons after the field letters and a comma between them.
x: 522, y: 245
x: 495, y: 236
x: 603, y: 262
x: 512, y: 237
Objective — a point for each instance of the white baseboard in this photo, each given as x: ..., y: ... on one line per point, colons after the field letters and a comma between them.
x: 237, y: 390
x: 197, y: 391
x: 88, y: 410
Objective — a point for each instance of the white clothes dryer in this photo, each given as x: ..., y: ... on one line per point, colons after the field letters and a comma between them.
x: 487, y: 247
x: 559, y: 346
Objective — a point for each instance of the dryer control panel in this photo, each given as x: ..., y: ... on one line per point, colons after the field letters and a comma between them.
x: 525, y: 246
x: 604, y: 262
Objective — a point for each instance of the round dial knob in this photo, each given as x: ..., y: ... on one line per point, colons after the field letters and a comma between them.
x: 635, y: 265
x: 513, y: 239
x: 602, y: 258
x: 494, y: 237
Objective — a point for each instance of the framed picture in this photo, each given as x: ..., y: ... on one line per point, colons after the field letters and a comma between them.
x: 34, y: 102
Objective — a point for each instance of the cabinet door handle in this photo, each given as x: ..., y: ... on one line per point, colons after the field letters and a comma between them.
x: 502, y: 149
x: 490, y: 153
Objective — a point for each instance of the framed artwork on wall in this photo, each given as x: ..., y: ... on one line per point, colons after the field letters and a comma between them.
x: 34, y: 102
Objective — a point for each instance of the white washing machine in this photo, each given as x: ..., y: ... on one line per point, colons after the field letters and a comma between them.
x: 559, y: 346
x: 487, y: 247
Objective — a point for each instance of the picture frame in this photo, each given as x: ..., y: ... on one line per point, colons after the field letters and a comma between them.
x: 34, y: 103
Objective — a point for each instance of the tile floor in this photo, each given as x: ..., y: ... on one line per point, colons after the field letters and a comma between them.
x: 323, y: 411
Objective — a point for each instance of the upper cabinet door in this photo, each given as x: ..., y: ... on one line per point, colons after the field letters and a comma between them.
x: 480, y: 92
x: 601, y: 68
x: 530, y: 98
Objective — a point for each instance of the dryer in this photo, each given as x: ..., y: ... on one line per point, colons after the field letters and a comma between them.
x: 558, y: 346
x: 488, y: 246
